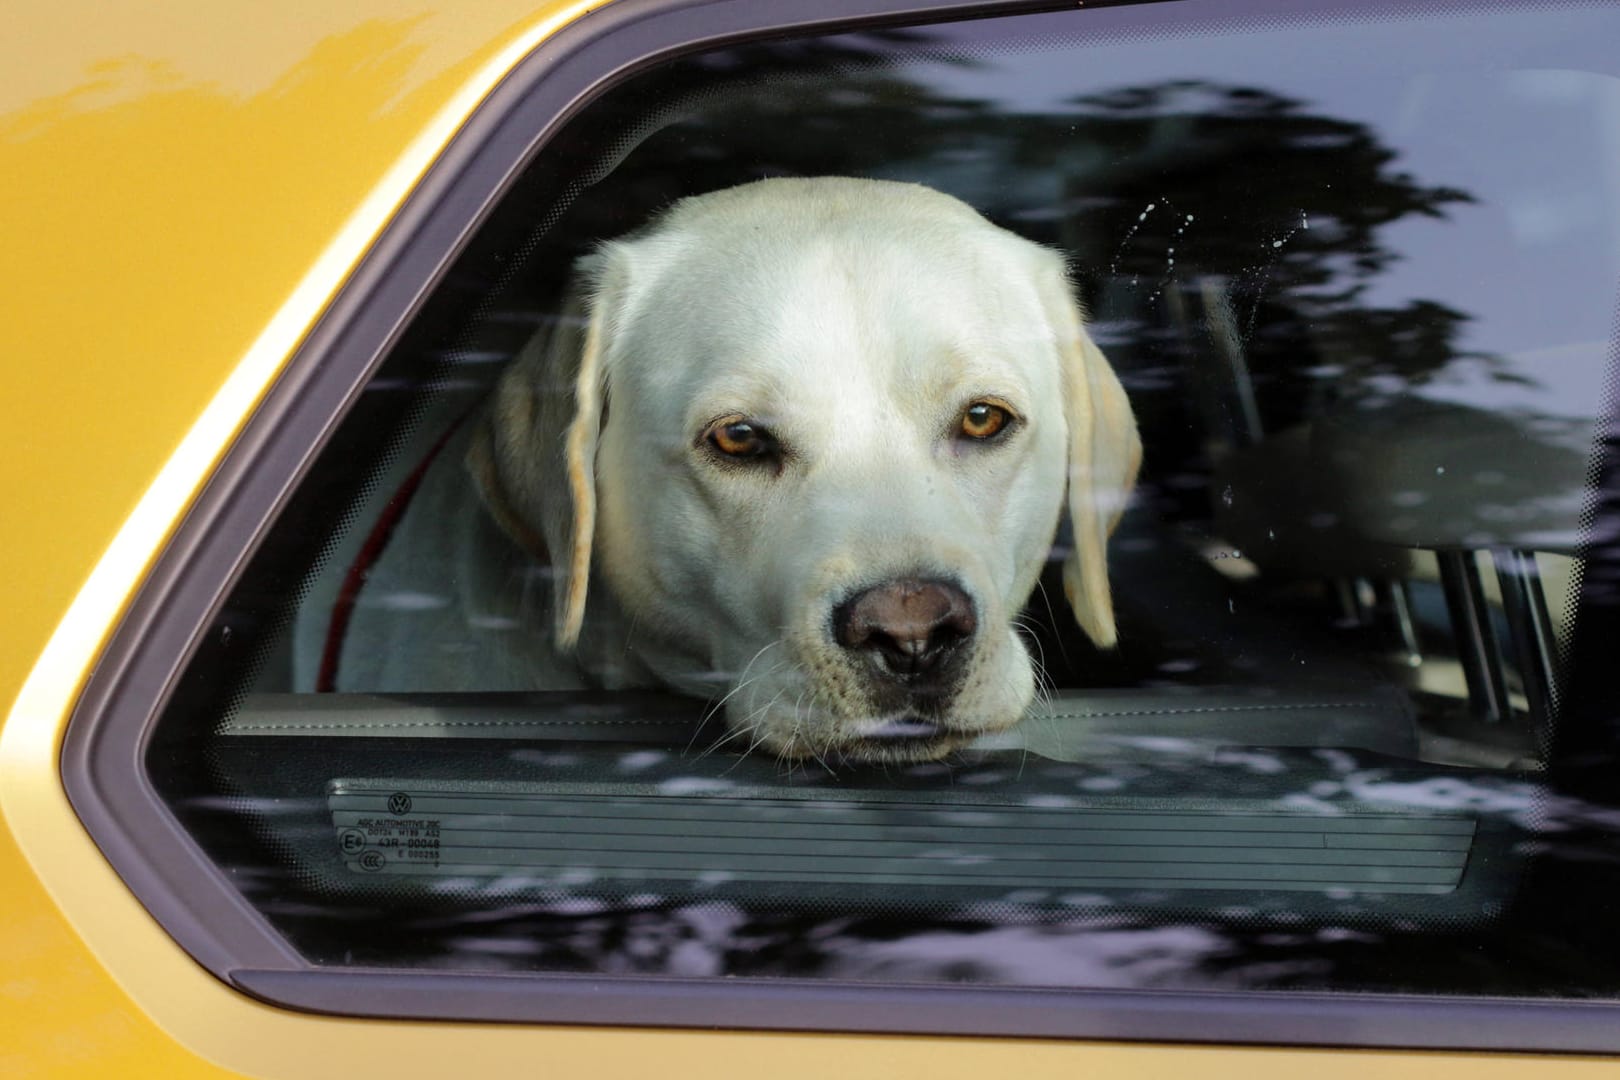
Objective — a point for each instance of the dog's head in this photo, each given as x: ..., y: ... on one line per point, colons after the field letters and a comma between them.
x: 814, y: 438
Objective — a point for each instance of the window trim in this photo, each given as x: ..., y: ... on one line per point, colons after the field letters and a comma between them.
x: 107, y: 737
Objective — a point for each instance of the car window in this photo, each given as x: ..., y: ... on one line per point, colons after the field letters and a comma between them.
x: 1094, y: 500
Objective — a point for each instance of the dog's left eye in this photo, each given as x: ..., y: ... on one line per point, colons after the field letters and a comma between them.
x: 737, y: 437
x: 984, y: 420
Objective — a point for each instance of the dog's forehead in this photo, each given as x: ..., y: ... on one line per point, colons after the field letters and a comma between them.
x: 812, y: 306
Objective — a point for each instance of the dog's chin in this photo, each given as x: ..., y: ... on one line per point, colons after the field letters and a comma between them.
x: 887, y: 740
x: 900, y: 739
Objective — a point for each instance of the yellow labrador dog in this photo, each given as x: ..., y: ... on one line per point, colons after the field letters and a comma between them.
x: 804, y: 451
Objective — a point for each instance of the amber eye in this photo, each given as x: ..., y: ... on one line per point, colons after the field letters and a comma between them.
x: 736, y: 437
x: 982, y: 420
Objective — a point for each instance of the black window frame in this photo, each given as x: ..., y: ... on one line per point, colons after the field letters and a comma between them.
x: 110, y: 730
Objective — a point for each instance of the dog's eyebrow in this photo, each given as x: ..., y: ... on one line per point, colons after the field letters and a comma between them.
x: 958, y: 373
x: 976, y: 357
x: 756, y: 395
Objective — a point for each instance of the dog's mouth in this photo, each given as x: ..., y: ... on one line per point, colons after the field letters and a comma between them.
x: 894, y: 739
x: 900, y: 738
x: 899, y: 729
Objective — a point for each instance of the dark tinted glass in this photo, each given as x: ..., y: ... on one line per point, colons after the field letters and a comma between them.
x: 1356, y: 276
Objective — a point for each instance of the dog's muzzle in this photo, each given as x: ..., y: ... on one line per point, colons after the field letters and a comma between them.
x: 910, y: 638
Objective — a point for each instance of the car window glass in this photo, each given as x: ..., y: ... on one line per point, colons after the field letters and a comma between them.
x: 742, y: 567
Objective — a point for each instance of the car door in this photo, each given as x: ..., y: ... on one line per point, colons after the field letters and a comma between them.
x: 1340, y: 785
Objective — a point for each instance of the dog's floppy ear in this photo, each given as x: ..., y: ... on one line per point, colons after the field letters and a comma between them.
x: 533, y: 456
x: 1105, y: 452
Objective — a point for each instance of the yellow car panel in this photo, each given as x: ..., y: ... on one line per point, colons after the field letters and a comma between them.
x: 186, y: 186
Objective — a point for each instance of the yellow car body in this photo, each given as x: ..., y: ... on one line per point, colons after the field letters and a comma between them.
x: 186, y: 186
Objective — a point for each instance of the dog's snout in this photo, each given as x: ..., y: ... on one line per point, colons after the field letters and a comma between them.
x: 910, y: 629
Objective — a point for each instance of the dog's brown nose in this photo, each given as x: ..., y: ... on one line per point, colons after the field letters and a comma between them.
x: 910, y: 629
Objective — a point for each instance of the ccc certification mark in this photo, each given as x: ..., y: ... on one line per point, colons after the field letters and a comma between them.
x: 372, y: 860
x: 399, y: 803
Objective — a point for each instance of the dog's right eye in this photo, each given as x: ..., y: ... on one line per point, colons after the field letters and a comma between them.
x: 737, y: 437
